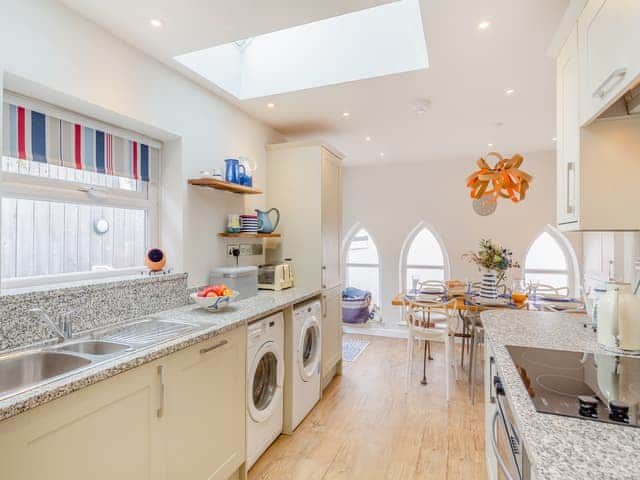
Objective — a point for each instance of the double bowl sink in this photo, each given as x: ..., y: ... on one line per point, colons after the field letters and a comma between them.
x: 26, y: 369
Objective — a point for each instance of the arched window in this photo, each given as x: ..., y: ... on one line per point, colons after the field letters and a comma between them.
x: 550, y: 260
x: 362, y: 265
x: 424, y: 257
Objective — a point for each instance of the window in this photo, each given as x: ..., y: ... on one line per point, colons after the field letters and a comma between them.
x: 547, y: 261
x: 59, y: 223
x: 424, y: 258
x: 362, y: 265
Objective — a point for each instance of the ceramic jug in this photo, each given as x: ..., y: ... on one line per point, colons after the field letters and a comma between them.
x: 233, y: 170
x: 265, y: 222
x: 619, y: 318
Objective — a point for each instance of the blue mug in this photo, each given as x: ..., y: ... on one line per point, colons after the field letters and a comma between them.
x: 234, y: 171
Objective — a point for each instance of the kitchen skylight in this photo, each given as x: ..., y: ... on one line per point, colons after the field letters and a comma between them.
x: 379, y: 41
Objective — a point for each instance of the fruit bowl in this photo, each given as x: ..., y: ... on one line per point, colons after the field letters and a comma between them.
x: 214, y: 303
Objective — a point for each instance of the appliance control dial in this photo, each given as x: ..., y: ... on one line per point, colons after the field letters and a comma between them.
x: 618, y: 411
x: 588, y: 406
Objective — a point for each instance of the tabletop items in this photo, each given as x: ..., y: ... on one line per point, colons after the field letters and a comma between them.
x: 494, y: 261
x: 520, y: 294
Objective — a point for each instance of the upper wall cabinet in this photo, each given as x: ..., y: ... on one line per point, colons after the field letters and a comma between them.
x: 609, y: 36
x: 568, y: 132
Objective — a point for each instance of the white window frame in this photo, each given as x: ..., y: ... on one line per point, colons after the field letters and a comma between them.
x: 445, y: 267
x: 345, y: 249
x: 30, y: 187
x: 572, y: 270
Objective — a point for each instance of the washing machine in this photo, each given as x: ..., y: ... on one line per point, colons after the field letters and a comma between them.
x: 265, y: 364
x: 304, y: 363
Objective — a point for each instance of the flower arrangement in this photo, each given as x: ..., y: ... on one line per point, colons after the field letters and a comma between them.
x: 492, y: 256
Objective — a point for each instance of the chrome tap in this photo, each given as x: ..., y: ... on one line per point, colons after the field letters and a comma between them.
x: 63, y: 331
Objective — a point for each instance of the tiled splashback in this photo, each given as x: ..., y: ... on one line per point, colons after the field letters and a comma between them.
x: 92, y: 306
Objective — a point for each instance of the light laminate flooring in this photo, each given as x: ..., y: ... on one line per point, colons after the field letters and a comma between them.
x: 366, y: 428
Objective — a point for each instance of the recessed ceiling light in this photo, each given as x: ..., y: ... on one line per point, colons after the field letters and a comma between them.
x: 345, y: 114
x: 271, y: 105
x: 382, y: 154
x: 156, y: 23
x: 368, y: 139
x: 509, y: 91
x: 554, y: 139
x: 484, y: 24
x: 490, y: 145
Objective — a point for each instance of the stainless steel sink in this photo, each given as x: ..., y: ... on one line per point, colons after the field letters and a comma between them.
x: 23, y: 370
x: 95, y: 347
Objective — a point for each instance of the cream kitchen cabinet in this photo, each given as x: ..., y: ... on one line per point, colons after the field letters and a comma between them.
x: 568, y: 132
x: 331, y: 333
x: 106, y: 431
x: 177, y: 418
x: 304, y: 182
x: 205, y: 409
x: 597, y: 165
x: 609, y: 35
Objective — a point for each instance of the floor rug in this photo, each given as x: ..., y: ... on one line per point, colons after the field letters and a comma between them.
x: 351, y: 349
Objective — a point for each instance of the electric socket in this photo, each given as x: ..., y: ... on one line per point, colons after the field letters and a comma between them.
x: 231, y: 248
x: 247, y: 249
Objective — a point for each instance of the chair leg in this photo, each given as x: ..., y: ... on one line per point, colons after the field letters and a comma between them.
x: 452, y: 339
x: 447, y: 358
x: 409, y: 362
x: 472, y: 369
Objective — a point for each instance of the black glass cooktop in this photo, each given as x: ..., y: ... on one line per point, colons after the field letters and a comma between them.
x: 603, y: 388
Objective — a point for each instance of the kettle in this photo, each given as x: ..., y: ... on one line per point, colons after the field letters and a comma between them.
x: 619, y: 318
x: 265, y: 222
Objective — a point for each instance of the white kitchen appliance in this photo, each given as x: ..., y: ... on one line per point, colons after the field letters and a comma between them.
x: 265, y: 381
x: 619, y: 318
x: 241, y: 279
x: 303, y: 363
x: 275, y: 277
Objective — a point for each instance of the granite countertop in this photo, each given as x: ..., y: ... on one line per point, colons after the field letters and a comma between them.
x: 209, y: 325
x: 560, y: 448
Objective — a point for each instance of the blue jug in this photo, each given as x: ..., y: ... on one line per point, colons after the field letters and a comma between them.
x: 233, y: 170
x: 265, y: 222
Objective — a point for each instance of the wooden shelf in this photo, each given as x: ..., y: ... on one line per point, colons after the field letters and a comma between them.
x: 222, y: 185
x: 249, y: 235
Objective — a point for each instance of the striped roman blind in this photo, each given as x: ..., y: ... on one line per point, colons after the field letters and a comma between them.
x: 35, y: 136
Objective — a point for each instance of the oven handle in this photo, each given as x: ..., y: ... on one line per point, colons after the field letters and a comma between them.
x: 494, y: 446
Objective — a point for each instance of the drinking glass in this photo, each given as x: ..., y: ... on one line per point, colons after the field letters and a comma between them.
x: 533, y: 288
x: 518, y: 292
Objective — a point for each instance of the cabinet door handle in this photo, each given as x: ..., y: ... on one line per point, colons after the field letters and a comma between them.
x: 160, y: 411
x: 324, y: 306
x: 213, y: 347
x: 618, y: 74
x: 571, y: 173
x: 494, y: 446
x: 324, y: 275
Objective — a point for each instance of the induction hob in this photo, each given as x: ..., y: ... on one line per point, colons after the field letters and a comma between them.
x: 592, y: 386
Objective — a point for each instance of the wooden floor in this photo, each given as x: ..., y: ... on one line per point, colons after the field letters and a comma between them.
x: 365, y: 427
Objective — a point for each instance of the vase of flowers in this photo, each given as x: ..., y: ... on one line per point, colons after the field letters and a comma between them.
x: 494, y: 261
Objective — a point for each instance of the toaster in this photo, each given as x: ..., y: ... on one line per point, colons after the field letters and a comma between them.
x: 275, y: 277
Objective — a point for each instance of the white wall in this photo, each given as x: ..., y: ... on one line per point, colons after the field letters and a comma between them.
x: 68, y: 57
x: 390, y: 200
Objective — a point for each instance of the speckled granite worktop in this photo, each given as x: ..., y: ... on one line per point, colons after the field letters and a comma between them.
x: 560, y: 448
x: 210, y: 325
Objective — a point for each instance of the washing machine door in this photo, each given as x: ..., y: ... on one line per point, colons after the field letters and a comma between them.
x: 265, y: 381
x: 309, y: 348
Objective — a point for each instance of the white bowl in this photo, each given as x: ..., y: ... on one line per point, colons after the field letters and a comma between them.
x: 214, y: 303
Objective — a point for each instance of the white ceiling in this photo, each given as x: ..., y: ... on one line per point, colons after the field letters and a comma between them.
x: 465, y: 83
